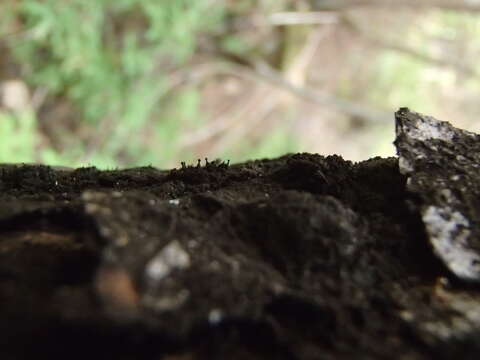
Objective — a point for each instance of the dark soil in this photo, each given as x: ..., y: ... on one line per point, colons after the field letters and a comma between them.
x: 300, y: 257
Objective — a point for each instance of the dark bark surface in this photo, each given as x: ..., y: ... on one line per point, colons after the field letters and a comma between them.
x: 299, y: 257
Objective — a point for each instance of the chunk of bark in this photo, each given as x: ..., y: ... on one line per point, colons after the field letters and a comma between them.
x: 443, y: 168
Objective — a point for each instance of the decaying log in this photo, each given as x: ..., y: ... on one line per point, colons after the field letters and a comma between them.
x: 299, y: 257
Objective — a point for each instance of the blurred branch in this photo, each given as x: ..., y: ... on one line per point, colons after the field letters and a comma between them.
x: 303, y: 18
x: 266, y: 97
x: 338, y: 5
x: 437, y: 61
x: 261, y: 103
x: 38, y: 97
x: 222, y: 122
x: 257, y: 104
x: 264, y: 74
x: 297, y: 70
x: 408, y: 50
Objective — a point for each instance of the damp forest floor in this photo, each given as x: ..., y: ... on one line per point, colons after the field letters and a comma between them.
x: 298, y: 257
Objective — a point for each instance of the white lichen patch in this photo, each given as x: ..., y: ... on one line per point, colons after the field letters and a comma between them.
x: 429, y: 128
x: 171, y: 257
x: 405, y: 166
x: 449, y: 232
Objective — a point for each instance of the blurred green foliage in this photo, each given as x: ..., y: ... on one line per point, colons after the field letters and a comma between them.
x: 110, y: 58
x: 118, y: 63
x: 18, y: 137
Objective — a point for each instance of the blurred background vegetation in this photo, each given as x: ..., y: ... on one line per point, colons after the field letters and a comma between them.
x: 117, y: 83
